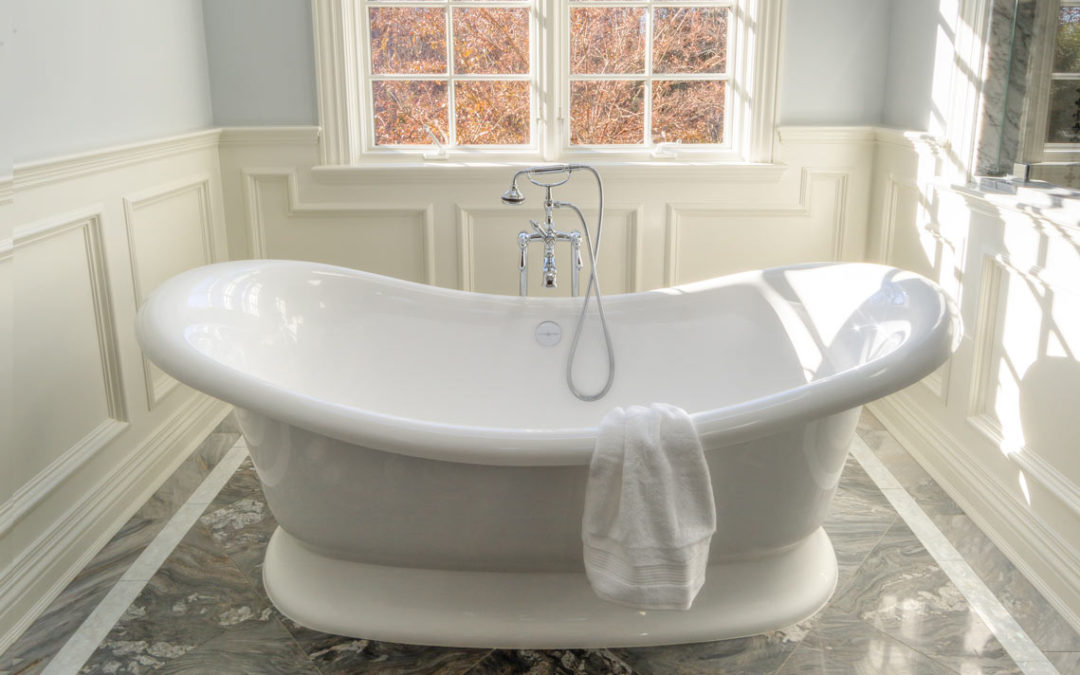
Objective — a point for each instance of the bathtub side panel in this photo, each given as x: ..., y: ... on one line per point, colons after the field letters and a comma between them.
x: 383, y: 508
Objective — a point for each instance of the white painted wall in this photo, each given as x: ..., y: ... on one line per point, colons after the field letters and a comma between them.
x: 835, y: 55
x: 262, y: 63
x: 98, y: 73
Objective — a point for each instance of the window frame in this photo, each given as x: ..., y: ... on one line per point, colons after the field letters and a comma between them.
x: 347, y: 135
x: 1034, y: 147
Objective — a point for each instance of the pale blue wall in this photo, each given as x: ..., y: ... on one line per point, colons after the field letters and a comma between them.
x: 913, y: 28
x: 262, y: 61
x: 834, y: 61
x: 7, y: 151
x: 91, y: 74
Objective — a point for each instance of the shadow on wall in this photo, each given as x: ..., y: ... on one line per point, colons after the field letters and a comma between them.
x: 1050, y: 413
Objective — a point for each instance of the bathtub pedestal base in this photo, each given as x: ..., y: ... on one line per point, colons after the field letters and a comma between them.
x: 537, y: 610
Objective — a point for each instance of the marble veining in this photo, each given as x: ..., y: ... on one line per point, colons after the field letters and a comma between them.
x: 895, y: 610
x: 34, y: 648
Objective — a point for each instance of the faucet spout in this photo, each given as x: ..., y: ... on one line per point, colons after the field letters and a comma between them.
x: 550, y: 270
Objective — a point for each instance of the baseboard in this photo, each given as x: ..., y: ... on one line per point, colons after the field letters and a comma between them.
x: 37, y: 577
x: 1021, y: 535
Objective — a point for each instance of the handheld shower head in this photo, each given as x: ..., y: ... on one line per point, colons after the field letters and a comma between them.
x: 513, y: 196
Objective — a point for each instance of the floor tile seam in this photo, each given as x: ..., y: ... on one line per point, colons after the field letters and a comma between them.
x: 619, y: 659
x: 476, y: 665
x: 862, y: 561
x: 798, y: 645
x: 295, y: 643
x: 918, y: 650
x: 89, y: 633
x: 1017, y: 643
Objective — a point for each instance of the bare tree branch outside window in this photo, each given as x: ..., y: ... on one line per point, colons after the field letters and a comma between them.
x: 628, y: 65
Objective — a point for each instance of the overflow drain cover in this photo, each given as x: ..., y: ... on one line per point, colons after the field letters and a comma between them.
x: 548, y: 333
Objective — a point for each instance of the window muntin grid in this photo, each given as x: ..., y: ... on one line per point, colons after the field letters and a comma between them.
x: 1063, y: 114
x: 656, y: 77
x: 452, y: 75
x: 550, y: 81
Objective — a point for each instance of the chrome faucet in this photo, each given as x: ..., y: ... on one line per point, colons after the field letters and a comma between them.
x: 549, y: 235
x: 546, y: 233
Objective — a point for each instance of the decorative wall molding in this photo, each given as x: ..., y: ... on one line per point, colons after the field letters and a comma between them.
x: 297, y: 208
x: 158, y: 384
x: 803, y: 208
x: 200, y: 186
x: 113, y: 157
x: 466, y: 252
x: 894, y: 187
x: 1018, y: 532
x: 89, y: 220
x: 979, y: 414
x: 7, y: 190
x: 41, y: 572
x: 908, y: 140
x: 498, y: 174
x: 33, y: 492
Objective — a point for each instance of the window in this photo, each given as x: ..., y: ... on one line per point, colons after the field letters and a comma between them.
x: 546, y: 79
x: 1063, y: 123
x: 1050, y: 129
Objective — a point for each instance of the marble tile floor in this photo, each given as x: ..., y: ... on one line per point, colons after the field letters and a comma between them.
x: 205, y: 611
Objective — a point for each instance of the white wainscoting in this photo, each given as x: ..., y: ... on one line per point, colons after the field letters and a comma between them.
x: 117, y: 222
x: 998, y: 426
x: 444, y: 224
x: 95, y: 427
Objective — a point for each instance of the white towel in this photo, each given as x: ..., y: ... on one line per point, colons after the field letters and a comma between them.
x: 649, y: 511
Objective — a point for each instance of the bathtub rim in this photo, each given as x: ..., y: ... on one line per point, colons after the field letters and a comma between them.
x: 917, y: 357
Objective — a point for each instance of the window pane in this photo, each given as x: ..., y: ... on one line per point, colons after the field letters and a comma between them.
x: 1067, y: 44
x: 408, y: 40
x: 490, y: 40
x: 607, y: 113
x: 688, y: 112
x: 1064, y: 123
x: 690, y: 40
x: 606, y: 40
x: 406, y: 110
x: 492, y: 113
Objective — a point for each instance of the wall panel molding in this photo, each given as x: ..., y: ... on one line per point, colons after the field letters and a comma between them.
x: 298, y: 208
x: 158, y: 384
x: 41, y: 572
x: 38, y: 488
x: 84, y: 453
x: 89, y: 221
x: 36, y: 174
x: 632, y: 216
x: 1028, y: 541
x: 802, y: 210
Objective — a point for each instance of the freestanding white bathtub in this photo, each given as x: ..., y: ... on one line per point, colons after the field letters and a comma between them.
x: 427, y: 464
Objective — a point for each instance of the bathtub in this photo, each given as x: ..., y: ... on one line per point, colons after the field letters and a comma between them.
x: 426, y: 461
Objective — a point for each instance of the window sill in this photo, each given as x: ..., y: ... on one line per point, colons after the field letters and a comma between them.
x: 442, y: 171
